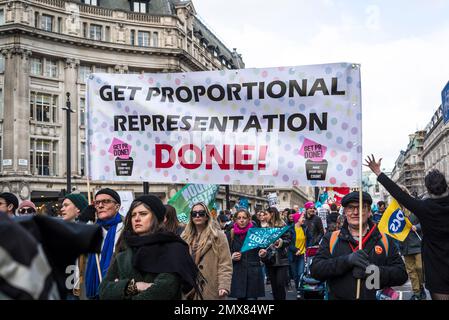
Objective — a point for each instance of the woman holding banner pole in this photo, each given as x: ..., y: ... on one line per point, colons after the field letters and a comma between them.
x: 433, y: 213
x: 210, y: 250
x: 247, y: 278
x: 275, y: 257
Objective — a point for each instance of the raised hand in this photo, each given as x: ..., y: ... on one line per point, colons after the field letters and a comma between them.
x: 373, y: 165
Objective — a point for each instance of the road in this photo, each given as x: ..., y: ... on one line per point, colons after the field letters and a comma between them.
x: 405, y: 292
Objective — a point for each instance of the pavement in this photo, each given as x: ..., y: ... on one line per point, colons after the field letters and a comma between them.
x: 405, y: 292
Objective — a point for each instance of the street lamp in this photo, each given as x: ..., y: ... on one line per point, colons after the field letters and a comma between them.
x: 68, y: 149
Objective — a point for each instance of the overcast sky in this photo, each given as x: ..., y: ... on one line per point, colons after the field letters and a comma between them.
x: 402, y: 46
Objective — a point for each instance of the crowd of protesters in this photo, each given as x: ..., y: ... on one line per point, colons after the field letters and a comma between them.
x: 149, y: 254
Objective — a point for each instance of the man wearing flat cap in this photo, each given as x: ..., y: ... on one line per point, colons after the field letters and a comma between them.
x: 340, y: 263
x: 107, y: 204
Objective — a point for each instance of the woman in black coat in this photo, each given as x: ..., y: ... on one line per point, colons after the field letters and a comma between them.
x: 433, y: 213
x: 247, y: 278
x: 275, y: 256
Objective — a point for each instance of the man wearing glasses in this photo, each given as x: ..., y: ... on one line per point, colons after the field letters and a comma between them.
x: 107, y: 204
x: 8, y: 203
x: 340, y: 262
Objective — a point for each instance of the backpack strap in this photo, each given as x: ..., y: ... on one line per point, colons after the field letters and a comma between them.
x: 333, y: 241
x: 385, y: 243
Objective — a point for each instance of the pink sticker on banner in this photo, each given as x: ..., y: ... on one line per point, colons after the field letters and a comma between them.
x: 120, y: 149
x: 312, y: 150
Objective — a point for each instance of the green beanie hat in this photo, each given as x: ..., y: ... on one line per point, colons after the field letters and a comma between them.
x: 78, y: 200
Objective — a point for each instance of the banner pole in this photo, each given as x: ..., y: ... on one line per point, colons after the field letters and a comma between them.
x: 359, y: 281
x: 89, y: 197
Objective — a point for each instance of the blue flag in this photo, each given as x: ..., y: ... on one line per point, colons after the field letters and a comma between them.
x: 262, y: 237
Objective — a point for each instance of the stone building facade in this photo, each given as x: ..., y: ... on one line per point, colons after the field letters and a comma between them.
x: 436, y: 144
x: 48, y: 47
x: 409, y: 166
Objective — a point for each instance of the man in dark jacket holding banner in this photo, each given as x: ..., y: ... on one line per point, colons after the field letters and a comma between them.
x: 341, y: 263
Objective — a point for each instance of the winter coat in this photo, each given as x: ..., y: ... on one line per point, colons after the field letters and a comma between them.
x: 315, y: 230
x: 433, y: 214
x: 412, y: 244
x: 331, y: 221
x: 292, y: 247
x: 247, y: 277
x: 215, y: 267
x: 166, y: 286
x: 278, y: 257
x: 333, y: 267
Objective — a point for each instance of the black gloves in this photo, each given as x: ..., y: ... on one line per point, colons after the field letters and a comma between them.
x: 88, y: 214
x: 358, y: 259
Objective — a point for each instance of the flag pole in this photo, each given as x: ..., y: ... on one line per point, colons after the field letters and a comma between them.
x: 359, y: 281
x: 89, y: 197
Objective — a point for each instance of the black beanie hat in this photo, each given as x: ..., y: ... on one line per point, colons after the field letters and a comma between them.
x: 155, y: 204
x: 10, y: 199
x: 111, y: 193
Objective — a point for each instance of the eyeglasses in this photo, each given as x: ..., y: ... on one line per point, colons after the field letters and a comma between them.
x: 27, y: 210
x: 201, y: 213
x: 104, y: 202
x: 352, y: 208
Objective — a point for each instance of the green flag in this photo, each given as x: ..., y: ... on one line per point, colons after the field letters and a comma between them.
x: 190, y: 194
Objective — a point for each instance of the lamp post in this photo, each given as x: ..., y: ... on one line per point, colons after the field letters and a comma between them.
x: 68, y: 149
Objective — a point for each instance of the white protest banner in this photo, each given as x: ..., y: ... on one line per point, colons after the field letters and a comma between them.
x: 273, y: 199
x: 126, y: 197
x: 322, y: 213
x: 276, y: 126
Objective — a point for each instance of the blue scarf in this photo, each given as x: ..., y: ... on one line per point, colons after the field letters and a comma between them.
x: 92, y: 278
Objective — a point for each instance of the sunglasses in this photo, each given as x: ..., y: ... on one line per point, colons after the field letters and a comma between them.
x: 28, y: 210
x: 201, y: 213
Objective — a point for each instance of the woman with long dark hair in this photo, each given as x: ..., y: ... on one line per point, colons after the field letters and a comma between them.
x: 276, y: 256
x: 150, y: 262
x: 171, y: 220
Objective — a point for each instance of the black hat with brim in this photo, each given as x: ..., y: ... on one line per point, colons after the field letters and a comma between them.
x: 354, y: 197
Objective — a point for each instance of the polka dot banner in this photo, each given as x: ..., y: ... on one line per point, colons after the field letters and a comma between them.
x: 284, y: 126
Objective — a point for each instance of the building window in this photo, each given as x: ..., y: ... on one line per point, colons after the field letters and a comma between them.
x: 82, y: 158
x: 91, y: 2
x: 1, y: 103
x: 51, y: 68
x: 85, y: 29
x: 84, y: 72
x: 1, y: 154
x: 43, y: 158
x: 140, y: 6
x: 60, y: 25
x: 95, y: 32
x: 143, y: 39
x: 101, y: 69
x: 36, y: 66
x: 133, y: 38
x: 47, y: 22
x: 82, y: 111
x: 43, y: 107
x: 155, y: 37
x: 2, y: 17
x: 2, y: 64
